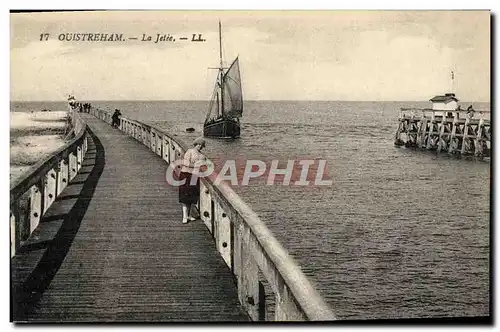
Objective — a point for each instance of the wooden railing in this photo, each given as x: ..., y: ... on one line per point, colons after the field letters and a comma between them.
x: 243, y: 240
x: 33, y: 193
x: 454, y: 115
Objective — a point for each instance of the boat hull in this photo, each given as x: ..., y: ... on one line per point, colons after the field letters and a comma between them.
x: 222, y: 128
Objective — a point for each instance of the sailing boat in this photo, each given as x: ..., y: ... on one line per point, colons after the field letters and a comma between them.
x: 226, y: 105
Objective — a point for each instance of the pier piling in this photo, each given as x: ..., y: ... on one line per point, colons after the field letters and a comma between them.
x: 456, y: 132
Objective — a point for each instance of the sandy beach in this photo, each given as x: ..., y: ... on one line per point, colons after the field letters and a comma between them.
x: 33, y: 136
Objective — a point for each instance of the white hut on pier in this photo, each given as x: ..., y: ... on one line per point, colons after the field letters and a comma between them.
x: 446, y: 103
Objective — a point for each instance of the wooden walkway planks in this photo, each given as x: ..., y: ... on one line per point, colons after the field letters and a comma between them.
x: 132, y: 259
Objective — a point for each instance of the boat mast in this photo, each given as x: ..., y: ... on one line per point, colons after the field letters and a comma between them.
x: 452, y: 81
x: 221, y: 71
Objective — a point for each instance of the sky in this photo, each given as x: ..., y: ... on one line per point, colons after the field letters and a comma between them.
x: 284, y: 55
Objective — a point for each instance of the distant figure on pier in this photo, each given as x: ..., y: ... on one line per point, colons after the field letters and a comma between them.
x: 190, y: 193
x: 470, y: 112
x: 458, y: 110
x: 86, y: 107
x: 116, y: 118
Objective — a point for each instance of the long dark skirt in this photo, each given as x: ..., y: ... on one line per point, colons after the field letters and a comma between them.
x: 188, y: 194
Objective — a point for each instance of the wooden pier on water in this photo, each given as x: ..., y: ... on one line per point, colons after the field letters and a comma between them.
x: 96, y: 236
x: 457, y: 132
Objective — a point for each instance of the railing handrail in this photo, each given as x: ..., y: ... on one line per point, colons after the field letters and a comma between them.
x: 448, y: 111
x: 35, y: 172
x: 308, y: 298
x: 310, y: 301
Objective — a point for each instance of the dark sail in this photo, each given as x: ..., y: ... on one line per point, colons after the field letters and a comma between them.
x: 233, y: 95
x: 213, y: 108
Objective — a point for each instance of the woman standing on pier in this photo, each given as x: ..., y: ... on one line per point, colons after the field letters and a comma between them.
x: 190, y: 193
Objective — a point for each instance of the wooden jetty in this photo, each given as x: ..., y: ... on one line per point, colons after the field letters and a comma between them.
x: 96, y: 236
x: 457, y: 132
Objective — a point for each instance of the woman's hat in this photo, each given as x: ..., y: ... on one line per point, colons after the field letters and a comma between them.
x: 199, y: 141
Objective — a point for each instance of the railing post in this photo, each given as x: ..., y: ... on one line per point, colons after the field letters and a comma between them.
x: 465, y: 138
x: 248, y: 284
x: 206, y: 206
x: 152, y: 141
x: 62, y: 176
x: 452, y: 140
x: 237, y: 249
x: 430, y: 139
x: 50, y: 189
x: 179, y: 153
x: 84, y: 145
x: 15, y: 227
x: 223, y: 237
x: 286, y: 309
x: 441, y: 132
x: 166, y: 148
x: 159, y: 144
x: 478, y: 150
x: 79, y: 157
x: 172, y: 152
x: 422, y: 131
x: 36, y: 204
x: 72, y: 166
x: 86, y: 142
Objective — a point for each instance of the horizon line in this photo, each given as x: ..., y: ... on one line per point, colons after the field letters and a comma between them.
x: 248, y: 100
